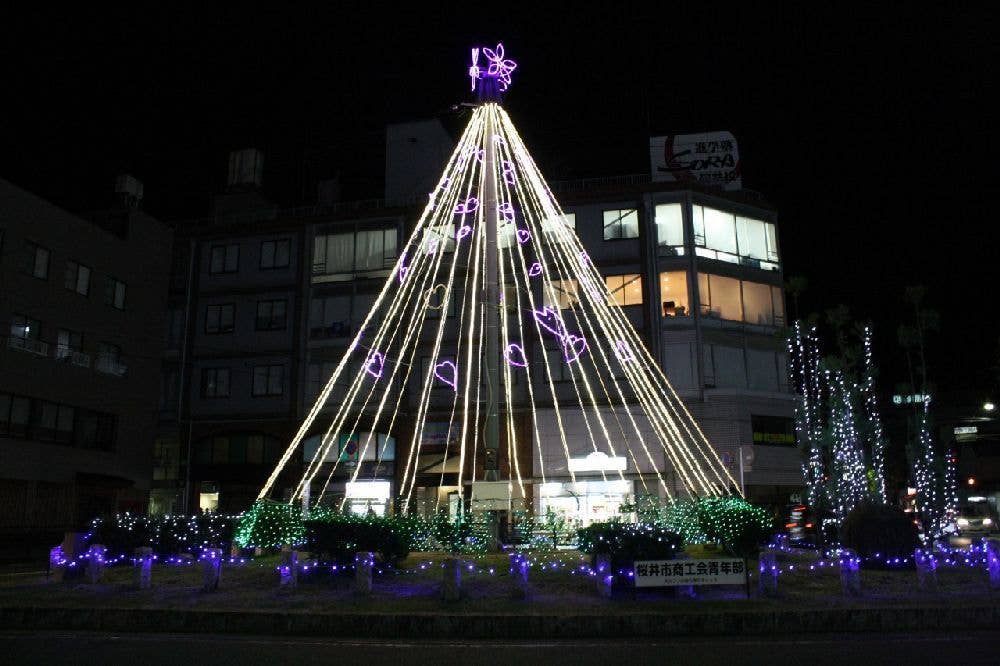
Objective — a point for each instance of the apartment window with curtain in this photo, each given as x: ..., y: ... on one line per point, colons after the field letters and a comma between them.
x: 114, y: 293
x: 224, y: 259
x: 275, y: 254
x: 622, y: 223
x: 215, y: 383
x: 68, y: 342
x: 77, y: 278
x: 271, y: 315
x: 345, y: 253
x: 268, y: 380
x: 330, y: 316
x: 220, y: 318
x: 37, y: 261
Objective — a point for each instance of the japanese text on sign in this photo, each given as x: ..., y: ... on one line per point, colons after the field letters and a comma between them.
x: 658, y: 573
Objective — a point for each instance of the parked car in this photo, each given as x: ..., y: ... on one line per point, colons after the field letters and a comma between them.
x: 976, y: 518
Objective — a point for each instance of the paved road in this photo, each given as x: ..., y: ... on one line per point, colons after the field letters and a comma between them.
x: 187, y: 649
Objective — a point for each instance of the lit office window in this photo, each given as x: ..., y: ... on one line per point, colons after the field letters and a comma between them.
x: 625, y: 289
x: 674, y: 294
x: 622, y: 223
x: 670, y: 226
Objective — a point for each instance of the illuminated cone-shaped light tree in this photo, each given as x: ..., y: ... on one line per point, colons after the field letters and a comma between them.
x: 493, y: 246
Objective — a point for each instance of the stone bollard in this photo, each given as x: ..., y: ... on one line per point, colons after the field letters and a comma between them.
x: 451, y: 579
x: 926, y: 569
x: 57, y: 563
x: 519, y: 566
x: 95, y: 562
x: 850, y: 573
x: 289, y: 569
x: 768, y: 574
x: 211, y: 559
x: 992, y: 551
x: 605, y: 575
x: 143, y: 567
x: 364, y: 562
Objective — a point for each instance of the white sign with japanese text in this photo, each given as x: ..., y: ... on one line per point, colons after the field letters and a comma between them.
x: 717, y: 571
x: 711, y: 159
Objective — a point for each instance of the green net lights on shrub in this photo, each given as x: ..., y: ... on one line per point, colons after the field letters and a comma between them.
x: 740, y: 527
x: 270, y: 524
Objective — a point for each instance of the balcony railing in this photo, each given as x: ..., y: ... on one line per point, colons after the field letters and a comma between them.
x: 30, y: 345
x: 110, y: 366
x: 73, y: 357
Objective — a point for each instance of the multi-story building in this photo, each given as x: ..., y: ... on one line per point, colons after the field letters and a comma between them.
x: 696, y: 270
x: 82, y: 304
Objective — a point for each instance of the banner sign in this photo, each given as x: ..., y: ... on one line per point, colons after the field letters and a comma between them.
x: 710, y: 159
x: 718, y: 571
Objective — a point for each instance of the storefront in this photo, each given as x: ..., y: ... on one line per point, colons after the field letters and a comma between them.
x: 584, y: 502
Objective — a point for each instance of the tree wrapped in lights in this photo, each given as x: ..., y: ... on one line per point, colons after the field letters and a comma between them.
x: 837, y: 420
x: 493, y: 246
x: 270, y: 525
x: 932, y: 467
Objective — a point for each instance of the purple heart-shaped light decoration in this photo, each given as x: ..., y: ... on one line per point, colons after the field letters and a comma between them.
x: 507, y: 210
x: 624, y: 352
x: 463, y: 231
x: 515, y: 356
x: 375, y: 364
x: 470, y: 205
x: 573, y: 346
x: 535, y: 270
x: 447, y: 372
x: 403, y: 270
x: 523, y: 236
x: 550, y: 320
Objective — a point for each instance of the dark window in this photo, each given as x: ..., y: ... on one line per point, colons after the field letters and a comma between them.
x: 114, y: 293
x: 271, y: 315
x: 78, y: 278
x: 67, y: 342
x: 37, y: 262
x: 96, y: 430
x: 52, y: 422
x: 268, y: 380
x: 109, y: 359
x: 274, y: 254
x: 215, y: 383
x: 219, y: 318
x: 225, y: 259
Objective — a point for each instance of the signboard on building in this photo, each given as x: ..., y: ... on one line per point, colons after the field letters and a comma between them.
x: 711, y: 159
x: 717, y: 571
x: 773, y: 430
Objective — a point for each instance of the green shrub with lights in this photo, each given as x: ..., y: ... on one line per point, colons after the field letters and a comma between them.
x: 270, y: 524
x: 166, y: 535
x: 735, y: 524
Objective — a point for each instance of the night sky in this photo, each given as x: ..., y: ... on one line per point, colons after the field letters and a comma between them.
x: 870, y: 132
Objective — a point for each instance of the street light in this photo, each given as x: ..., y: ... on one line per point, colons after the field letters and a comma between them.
x: 988, y: 406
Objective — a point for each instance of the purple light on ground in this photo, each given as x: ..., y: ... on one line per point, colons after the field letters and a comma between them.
x: 447, y: 372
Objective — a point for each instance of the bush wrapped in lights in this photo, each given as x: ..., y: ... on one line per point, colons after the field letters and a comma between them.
x: 166, y: 535
x: 270, y: 524
x: 735, y: 524
x: 624, y: 543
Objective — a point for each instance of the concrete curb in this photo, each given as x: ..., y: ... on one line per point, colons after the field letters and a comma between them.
x: 502, y: 626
